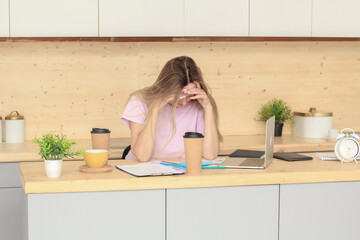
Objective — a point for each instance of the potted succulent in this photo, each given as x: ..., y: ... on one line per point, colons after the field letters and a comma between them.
x: 53, y: 149
x: 279, y: 109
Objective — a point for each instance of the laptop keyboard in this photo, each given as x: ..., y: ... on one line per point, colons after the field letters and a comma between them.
x: 253, y: 162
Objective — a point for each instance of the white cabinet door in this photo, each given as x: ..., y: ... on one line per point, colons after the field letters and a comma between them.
x: 216, y: 18
x: 115, y: 215
x: 54, y: 18
x: 317, y: 211
x: 12, y: 214
x: 226, y: 213
x: 280, y: 18
x: 12, y: 203
x: 4, y: 18
x: 141, y: 18
x: 336, y: 18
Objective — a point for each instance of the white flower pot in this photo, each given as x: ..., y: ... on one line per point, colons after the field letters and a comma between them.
x: 53, y: 168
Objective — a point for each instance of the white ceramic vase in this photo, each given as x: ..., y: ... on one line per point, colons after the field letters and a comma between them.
x: 53, y: 168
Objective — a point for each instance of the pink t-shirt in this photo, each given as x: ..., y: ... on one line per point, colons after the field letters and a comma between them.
x: 188, y: 118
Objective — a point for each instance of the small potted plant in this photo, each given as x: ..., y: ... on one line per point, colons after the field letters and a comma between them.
x: 53, y: 149
x: 279, y: 109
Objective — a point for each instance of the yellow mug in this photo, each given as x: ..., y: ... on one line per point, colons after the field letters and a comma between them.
x: 96, y: 158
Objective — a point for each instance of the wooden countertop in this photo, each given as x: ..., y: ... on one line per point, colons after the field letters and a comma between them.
x: 35, y: 180
x: 28, y: 151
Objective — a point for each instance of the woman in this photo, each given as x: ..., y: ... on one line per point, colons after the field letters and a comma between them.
x: 159, y: 115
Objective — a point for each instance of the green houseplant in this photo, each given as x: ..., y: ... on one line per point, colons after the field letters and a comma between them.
x: 53, y: 149
x: 279, y: 109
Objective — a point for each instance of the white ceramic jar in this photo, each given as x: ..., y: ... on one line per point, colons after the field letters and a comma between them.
x: 312, y: 124
x: 14, y: 127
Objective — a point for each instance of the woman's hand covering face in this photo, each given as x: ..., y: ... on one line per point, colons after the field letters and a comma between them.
x: 190, y: 92
x: 195, y: 92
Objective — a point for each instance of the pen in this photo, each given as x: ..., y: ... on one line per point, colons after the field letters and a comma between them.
x: 170, y: 162
x: 215, y: 167
x: 172, y: 165
x: 183, y: 164
x: 203, y: 167
x: 202, y: 164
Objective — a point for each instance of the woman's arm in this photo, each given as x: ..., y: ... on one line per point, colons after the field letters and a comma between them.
x: 143, y: 135
x: 211, y: 145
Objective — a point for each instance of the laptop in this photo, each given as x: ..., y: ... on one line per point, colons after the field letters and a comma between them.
x: 256, y: 163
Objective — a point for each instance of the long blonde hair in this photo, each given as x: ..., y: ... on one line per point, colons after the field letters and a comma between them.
x: 176, y: 74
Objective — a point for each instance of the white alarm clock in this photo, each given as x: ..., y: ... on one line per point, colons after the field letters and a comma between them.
x: 347, y: 147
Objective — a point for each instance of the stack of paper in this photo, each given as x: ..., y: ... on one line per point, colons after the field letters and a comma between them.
x: 164, y: 168
x: 153, y: 168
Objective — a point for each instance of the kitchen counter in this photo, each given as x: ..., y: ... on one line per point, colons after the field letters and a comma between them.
x: 28, y: 151
x: 287, y: 199
x: 34, y: 179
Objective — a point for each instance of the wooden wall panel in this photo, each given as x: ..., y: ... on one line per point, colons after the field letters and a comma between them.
x: 71, y: 87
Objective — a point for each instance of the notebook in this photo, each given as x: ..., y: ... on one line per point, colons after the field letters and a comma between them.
x: 153, y: 168
x: 261, y: 159
x: 291, y: 156
x: 247, y: 153
x: 287, y: 156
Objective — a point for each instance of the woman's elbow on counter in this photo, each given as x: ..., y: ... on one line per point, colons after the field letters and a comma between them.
x: 141, y: 157
x: 209, y: 156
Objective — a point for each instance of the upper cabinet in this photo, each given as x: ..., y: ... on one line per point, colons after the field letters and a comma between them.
x: 4, y: 18
x: 280, y: 18
x: 176, y: 18
x: 336, y: 18
x: 54, y: 18
x: 141, y: 18
x: 216, y: 18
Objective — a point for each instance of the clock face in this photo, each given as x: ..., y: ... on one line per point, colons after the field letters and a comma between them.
x: 349, y: 148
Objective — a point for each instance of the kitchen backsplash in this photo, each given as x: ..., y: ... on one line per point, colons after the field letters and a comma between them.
x: 70, y: 87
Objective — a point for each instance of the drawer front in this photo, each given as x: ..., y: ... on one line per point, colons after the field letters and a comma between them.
x: 240, y: 212
x: 9, y: 175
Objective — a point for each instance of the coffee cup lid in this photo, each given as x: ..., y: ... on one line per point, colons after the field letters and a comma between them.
x: 193, y: 135
x: 100, y: 130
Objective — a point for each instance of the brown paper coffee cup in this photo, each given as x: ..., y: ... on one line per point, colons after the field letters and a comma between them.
x: 193, y: 143
x: 100, y: 138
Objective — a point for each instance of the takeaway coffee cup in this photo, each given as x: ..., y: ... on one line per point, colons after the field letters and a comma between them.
x: 193, y: 143
x: 100, y: 138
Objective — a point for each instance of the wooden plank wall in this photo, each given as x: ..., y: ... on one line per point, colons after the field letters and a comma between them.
x: 70, y: 87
